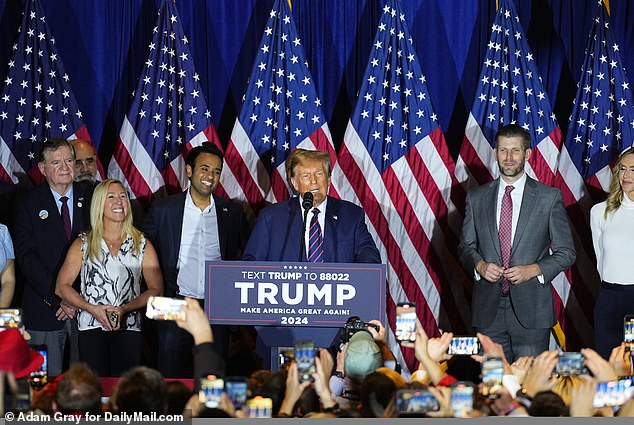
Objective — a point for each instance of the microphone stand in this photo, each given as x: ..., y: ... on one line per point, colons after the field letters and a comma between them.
x: 307, y: 204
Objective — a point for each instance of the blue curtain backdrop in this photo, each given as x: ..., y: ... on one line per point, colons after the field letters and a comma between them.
x: 103, y: 45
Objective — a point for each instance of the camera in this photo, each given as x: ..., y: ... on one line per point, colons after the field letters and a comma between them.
x: 354, y: 325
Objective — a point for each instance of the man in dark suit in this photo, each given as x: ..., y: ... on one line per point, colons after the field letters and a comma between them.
x: 47, y: 219
x: 515, y: 239
x: 188, y: 229
x: 277, y: 232
x: 344, y: 236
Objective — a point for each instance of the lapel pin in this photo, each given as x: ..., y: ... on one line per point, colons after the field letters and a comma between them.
x: 79, y: 201
x: 334, y: 217
x: 43, y: 214
x: 225, y: 209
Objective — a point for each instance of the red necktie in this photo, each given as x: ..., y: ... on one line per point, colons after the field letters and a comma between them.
x: 505, y: 233
x: 315, y: 240
x: 66, y: 217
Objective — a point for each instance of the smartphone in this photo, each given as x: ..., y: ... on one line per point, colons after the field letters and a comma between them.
x: 406, y: 323
x: 259, y: 407
x: 285, y: 356
x: 416, y: 401
x: 164, y: 308
x: 236, y: 389
x: 462, y: 398
x: 571, y: 364
x: 39, y: 378
x: 465, y: 345
x: 210, y: 391
x: 113, y: 318
x: 10, y: 317
x: 613, y: 393
x: 305, y: 360
x: 492, y: 373
x: 628, y: 328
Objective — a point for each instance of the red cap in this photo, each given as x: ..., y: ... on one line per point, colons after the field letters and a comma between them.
x: 16, y: 356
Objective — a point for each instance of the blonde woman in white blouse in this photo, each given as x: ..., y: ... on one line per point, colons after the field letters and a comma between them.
x: 612, y: 224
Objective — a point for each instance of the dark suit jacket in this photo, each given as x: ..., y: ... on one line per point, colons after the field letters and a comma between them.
x: 163, y: 225
x: 40, y: 249
x: 277, y: 232
x: 542, y: 224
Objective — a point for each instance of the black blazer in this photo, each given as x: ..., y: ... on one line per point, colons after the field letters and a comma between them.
x: 40, y: 249
x: 163, y: 224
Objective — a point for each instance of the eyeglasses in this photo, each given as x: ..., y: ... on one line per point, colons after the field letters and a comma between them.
x: 87, y: 161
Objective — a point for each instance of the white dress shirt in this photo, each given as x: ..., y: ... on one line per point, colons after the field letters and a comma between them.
x: 199, y: 243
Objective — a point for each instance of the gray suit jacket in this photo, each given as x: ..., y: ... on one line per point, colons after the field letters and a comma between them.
x: 542, y: 224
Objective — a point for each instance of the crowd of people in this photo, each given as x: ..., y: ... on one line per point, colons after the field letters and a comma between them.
x: 87, y: 273
x: 363, y: 384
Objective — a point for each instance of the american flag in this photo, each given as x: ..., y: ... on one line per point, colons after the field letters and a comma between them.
x: 601, y: 126
x: 167, y: 118
x: 36, y: 101
x: 510, y: 91
x: 395, y: 163
x: 280, y: 112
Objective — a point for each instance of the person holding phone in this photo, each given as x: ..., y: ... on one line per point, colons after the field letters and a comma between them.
x: 112, y: 258
x: 612, y: 225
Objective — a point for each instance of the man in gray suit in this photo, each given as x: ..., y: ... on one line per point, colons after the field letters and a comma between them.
x: 515, y: 240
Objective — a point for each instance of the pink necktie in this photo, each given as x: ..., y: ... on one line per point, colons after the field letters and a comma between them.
x: 315, y: 240
x: 66, y: 217
x: 505, y: 231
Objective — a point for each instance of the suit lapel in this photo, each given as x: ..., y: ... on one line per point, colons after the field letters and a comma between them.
x: 80, y: 206
x: 331, y: 223
x: 490, y: 211
x: 294, y: 229
x: 222, y: 215
x: 528, y: 203
x: 50, y: 206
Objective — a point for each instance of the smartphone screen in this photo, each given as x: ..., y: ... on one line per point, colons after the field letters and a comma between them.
x: 406, y: 323
x: 236, y: 389
x: 39, y: 378
x: 571, y: 364
x: 10, y: 317
x: 628, y: 328
x: 305, y: 360
x: 259, y: 407
x: 465, y: 345
x: 210, y: 391
x: 613, y: 393
x: 165, y: 308
x: 462, y: 399
x: 492, y: 372
x: 416, y: 401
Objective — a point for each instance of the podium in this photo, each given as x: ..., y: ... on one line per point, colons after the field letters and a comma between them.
x: 290, y: 301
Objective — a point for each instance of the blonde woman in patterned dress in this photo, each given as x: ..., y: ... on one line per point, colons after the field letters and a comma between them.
x: 112, y: 259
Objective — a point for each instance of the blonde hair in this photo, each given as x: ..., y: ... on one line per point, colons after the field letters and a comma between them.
x: 616, y: 191
x: 95, y: 236
x: 564, y: 385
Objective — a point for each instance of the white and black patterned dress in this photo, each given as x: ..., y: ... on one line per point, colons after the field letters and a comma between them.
x: 113, y: 280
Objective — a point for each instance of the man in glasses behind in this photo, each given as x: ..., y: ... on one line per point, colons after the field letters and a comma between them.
x: 85, y: 162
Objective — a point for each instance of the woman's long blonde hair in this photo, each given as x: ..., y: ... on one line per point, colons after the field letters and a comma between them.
x: 95, y: 236
x: 616, y: 191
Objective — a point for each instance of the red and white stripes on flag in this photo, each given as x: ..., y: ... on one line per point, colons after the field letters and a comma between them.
x: 167, y: 118
x: 395, y: 163
x: 280, y: 112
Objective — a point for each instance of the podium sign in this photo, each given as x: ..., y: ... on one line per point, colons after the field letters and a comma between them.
x: 293, y: 294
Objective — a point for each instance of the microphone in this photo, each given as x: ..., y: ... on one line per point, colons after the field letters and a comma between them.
x: 307, y: 202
